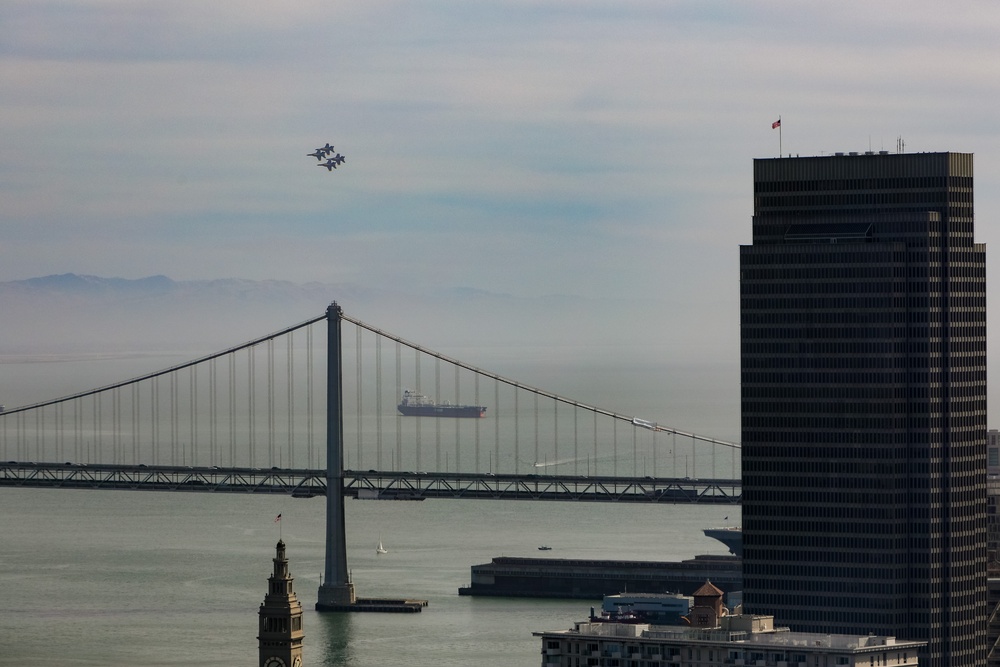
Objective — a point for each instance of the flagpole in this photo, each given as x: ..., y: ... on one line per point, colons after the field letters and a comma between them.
x: 780, y: 153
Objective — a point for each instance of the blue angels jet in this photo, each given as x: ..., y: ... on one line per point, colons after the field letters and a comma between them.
x: 332, y: 163
x: 319, y: 154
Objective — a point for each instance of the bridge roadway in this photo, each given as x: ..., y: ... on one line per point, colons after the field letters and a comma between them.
x: 307, y: 483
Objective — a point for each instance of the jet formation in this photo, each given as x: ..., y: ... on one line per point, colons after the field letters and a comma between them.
x: 326, y: 152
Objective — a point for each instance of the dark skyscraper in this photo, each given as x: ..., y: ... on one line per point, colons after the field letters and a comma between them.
x: 863, y: 336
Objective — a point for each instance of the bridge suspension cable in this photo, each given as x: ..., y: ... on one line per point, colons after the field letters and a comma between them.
x: 165, y: 371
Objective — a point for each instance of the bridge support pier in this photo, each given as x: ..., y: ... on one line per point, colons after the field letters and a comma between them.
x: 336, y: 591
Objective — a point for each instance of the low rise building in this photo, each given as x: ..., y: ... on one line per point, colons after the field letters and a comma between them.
x: 711, y: 637
x: 739, y: 640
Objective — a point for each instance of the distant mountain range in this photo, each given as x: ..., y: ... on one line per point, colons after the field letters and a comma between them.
x: 74, y: 313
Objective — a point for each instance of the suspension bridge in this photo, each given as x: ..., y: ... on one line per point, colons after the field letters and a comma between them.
x: 260, y: 418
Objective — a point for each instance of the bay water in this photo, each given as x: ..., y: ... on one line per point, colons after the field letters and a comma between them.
x: 156, y: 578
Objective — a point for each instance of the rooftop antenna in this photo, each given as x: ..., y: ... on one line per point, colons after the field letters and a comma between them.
x: 900, y: 144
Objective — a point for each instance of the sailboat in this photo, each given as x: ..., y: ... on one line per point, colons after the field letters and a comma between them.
x: 379, y: 550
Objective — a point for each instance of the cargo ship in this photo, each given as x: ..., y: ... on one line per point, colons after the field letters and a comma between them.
x: 418, y: 405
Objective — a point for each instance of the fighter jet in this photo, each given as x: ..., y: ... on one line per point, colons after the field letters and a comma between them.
x: 339, y: 159
x: 319, y: 154
x: 329, y: 164
x: 326, y: 149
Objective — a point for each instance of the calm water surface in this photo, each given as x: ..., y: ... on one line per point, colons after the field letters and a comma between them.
x: 156, y: 578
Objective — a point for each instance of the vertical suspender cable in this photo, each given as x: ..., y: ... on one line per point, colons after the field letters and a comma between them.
x: 97, y: 427
x: 537, y: 460
x: 496, y: 423
x: 212, y: 414
x: 694, y: 466
x: 290, y: 391
x: 397, y: 458
x: 39, y: 454
x: 595, y: 447
x: 555, y: 434
x: 437, y: 422
x: 458, y: 436
x: 117, y: 413
x: 59, y: 434
x: 135, y: 423
x: 673, y: 450
x: 251, y: 374
x: 655, y: 447
x: 416, y: 370
x: 614, y: 438
x: 309, y: 397
x: 378, y: 401
x: 359, y: 391
x: 517, y: 431
x: 154, y: 429
x: 635, y: 452
x: 232, y: 409
x: 576, y: 442
x: 173, y: 418
x: 714, y: 451
x: 270, y: 402
x: 476, y: 392
x: 193, y: 380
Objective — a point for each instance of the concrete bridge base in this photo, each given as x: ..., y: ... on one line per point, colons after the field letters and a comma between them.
x: 334, y: 597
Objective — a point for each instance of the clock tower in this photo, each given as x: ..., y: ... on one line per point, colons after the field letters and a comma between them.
x: 280, y: 626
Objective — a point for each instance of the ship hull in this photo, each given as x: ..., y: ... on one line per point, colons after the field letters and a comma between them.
x: 459, y: 411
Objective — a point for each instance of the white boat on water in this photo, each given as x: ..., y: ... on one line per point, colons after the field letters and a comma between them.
x: 379, y: 550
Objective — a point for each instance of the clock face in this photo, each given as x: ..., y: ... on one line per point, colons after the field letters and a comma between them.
x: 274, y: 662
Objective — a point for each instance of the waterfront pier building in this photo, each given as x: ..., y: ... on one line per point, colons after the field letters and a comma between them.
x: 863, y: 355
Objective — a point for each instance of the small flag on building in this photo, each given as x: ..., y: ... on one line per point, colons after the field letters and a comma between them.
x: 776, y: 124
x: 277, y: 518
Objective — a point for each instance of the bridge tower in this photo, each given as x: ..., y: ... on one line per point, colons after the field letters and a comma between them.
x: 336, y: 591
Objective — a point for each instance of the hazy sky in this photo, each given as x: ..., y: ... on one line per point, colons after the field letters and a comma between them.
x: 597, y: 149
x: 591, y: 148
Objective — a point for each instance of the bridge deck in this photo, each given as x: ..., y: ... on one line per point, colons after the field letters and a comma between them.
x: 374, y: 484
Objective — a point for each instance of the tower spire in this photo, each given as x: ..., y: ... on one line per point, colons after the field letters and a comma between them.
x: 279, y: 642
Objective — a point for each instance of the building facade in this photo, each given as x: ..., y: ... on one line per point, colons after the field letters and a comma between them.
x: 993, y: 452
x: 739, y: 640
x: 863, y: 354
x: 279, y: 638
